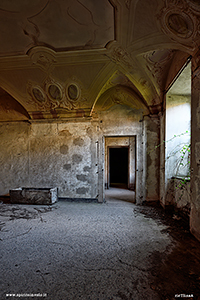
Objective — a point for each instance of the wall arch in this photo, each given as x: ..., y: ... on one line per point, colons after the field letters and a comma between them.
x: 121, y: 95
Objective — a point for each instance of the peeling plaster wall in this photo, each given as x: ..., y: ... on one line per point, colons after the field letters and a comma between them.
x: 59, y: 155
x: 70, y: 155
x: 178, y: 195
x: 152, y: 158
x: 14, y: 156
x: 162, y: 158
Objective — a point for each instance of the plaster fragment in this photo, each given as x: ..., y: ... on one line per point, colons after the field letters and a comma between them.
x: 78, y: 141
x: 67, y: 167
x: 65, y: 133
x: 82, y: 190
x: 76, y: 158
x: 86, y: 169
x: 64, y: 149
x: 81, y: 177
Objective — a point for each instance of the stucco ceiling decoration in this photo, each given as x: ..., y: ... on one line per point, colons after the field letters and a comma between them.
x: 120, y: 95
x: 117, y: 79
x: 179, y: 21
x: 79, y: 44
x: 43, y: 57
x: 127, y: 3
x: 60, y: 25
x: 38, y: 94
x: 179, y: 24
x: 73, y: 92
x: 52, y: 95
x: 159, y: 56
x: 157, y: 65
x: 119, y: 55
x: 124, y: 62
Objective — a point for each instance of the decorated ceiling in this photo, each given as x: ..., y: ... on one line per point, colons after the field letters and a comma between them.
x: 72, y: 58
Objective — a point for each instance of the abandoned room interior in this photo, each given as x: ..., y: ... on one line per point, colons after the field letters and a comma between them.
x: 99, y: 97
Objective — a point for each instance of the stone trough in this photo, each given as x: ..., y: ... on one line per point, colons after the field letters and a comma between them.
x: 24, y: 195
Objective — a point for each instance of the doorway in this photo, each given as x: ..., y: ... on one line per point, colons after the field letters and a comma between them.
x: 120, y: 161
x: 118, y: 167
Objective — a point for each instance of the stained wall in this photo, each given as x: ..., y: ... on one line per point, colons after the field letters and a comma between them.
x: 152, y: 157
x: 69, y: 155
x: 49, y: 154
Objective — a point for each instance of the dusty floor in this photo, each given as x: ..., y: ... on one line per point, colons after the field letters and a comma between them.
x: 115, y: 250
x: 115, y: 194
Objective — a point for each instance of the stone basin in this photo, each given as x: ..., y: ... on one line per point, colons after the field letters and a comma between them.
x: 24, y: 195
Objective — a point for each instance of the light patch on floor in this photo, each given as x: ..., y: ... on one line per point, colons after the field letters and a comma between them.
x: 119, y: 194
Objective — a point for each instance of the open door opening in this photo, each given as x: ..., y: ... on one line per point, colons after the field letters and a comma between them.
x: 118, y: 167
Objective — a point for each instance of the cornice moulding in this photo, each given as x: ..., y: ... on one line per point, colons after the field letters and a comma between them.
x: 34, y: 58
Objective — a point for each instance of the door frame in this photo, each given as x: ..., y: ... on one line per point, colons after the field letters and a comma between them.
x: 128, y: 141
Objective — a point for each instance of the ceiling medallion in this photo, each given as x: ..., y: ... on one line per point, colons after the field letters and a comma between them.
x: 53, y: 95
x: 54, y: 92
x: 73, y: 92
x: 159, y: 56
x: 179, y: 24
x: 38, y: 94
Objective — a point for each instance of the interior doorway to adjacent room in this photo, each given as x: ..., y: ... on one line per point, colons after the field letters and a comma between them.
x: 118, y: 167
